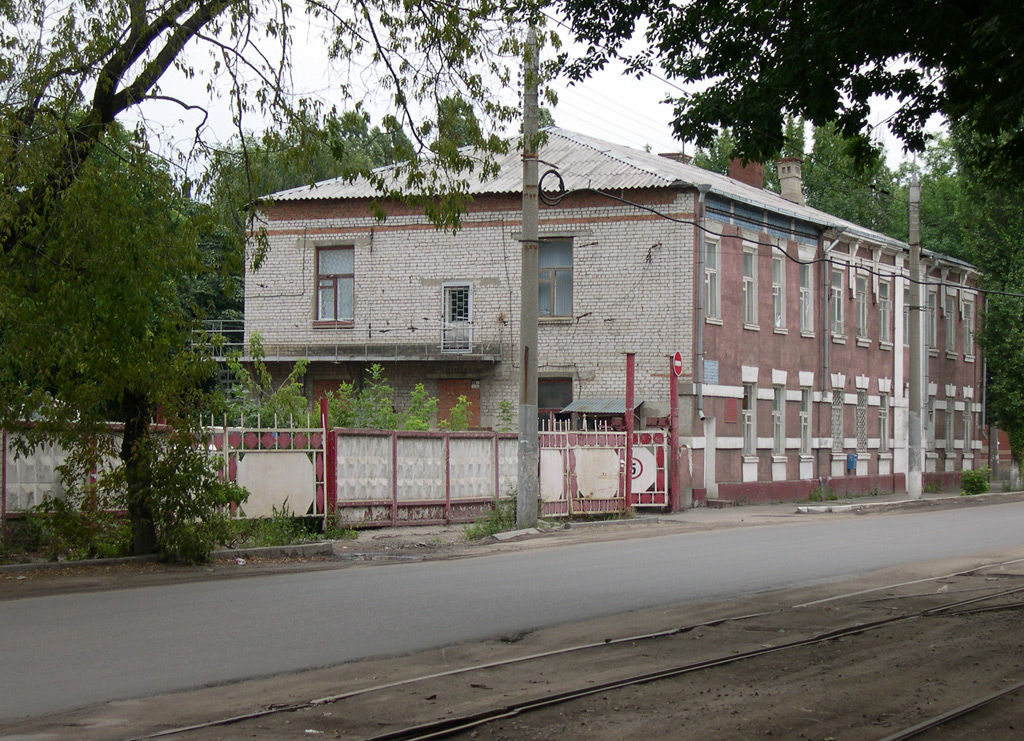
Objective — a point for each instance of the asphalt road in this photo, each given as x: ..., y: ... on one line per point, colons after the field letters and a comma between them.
x: 66, y: 651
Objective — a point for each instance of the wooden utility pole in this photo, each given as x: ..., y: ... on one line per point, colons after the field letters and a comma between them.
x: 528, y: 482
x: 914, y: 453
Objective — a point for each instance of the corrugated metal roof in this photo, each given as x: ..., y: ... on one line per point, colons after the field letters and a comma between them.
x: 600, y: 406
x: 585, y: 162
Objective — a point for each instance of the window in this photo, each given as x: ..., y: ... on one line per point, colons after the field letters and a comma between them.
x: 929, y: 423
x: 969, y: 329
x: 805, y: 421
x: 860, y: 421
x: 967, y: 429
x: 950, y: 323
x: 335, y: 267
x: 861, y: 286
x: 749, y: 287
x: 553, y: 395
x: 933, y: 318
x: 778, y: 421
x: 906, y: 317
x: 457, y: 329
x: 778, y: 293
x: 837, y: 420
x: 836, y: 299
x: 749, y: 419
x: 884, y: 312
x: 883, y: 424
x: 712, y: 290
x: 806, y: 300
x: 555, y: 279
x: 949, y: 427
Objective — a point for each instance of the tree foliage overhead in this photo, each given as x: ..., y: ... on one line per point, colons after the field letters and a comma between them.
x: 757, y: 61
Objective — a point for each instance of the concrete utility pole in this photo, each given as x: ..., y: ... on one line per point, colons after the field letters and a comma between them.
x: 528, y: 483
x: 914, y: 454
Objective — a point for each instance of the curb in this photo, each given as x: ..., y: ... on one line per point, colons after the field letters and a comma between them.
x: 818, y: 509
x: 301, y: 550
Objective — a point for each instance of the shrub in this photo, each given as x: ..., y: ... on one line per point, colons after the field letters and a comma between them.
x: 500, y: 519
x: 974, y: 482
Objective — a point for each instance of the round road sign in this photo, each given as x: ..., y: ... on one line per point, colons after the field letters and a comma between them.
x: 677, y: 364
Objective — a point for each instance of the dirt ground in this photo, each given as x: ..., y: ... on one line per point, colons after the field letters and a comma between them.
x: 869, y: 685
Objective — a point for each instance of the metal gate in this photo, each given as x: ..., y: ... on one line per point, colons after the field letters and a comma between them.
x: 582, y: 472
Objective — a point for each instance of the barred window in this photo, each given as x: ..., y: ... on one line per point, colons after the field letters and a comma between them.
x: 883, y: 424
x: 861, y: 421
x: 837, y: 420
x: 805, y: 421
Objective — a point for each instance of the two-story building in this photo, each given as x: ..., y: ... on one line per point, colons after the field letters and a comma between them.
x: 792, y: 323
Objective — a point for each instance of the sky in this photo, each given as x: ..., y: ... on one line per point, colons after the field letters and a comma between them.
x: 609, y: 106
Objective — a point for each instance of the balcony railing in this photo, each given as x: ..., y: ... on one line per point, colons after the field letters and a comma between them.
x: 457, y: 337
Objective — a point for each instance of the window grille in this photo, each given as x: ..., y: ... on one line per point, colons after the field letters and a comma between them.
x: 861, y: 421
x: 837, y: 420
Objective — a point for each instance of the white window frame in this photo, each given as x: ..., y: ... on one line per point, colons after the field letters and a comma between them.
x: 861, y: 303
x: 336, y: 284
x: 712, y: 281
x: 969, y: 329
x: 885, y: 312
x: 805, y: 421
x: 550, y: 274
x: 883, y: 424
x: 950, y: 323
x: 749, y: 287
x: 806, y: 298
x: 779, y: 421
x: 906, y: 316
x: 748, y: 417
x: 950, y: 428
x: 933, y: 321
x: 967, y: 423
x: 778, y: 292
x: 836, y: 326
x: 456, y: 332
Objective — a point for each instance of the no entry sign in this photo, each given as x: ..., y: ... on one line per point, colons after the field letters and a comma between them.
x: 677, y: 364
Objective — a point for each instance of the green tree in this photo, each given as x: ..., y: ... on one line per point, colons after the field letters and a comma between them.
x: 756, y: 62
x: 96, y: 330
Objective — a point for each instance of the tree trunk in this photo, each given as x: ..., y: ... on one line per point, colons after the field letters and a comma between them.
x: 135, y: 459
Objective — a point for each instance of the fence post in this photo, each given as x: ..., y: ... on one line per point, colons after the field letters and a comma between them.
x: 447, y: 479
x: 675, y: 459
x: 3, y: 487
x: 628, y: 487
x: 394, y: 479
x: 330, y: 462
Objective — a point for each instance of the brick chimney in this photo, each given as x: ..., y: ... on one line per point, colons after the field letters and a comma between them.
x: 677, y: 157
x: 791, y: 179
x: 751, y: 173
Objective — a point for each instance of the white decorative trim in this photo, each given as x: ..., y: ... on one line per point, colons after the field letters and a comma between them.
x: 968, y: 392
x: 950, y: 390
x: 838, y: 381
x: 885, y: 386
x: 933, y: 389
x: 850, y: 399
x: 749, y: 373
x: 959, y: 406
x: 806, y: 378
x: 723, y: 392
x: 861, y: 383
x: 779, y: 377
x: 765, y: 393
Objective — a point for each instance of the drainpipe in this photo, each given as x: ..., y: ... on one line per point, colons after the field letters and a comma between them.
x: 702, y: 192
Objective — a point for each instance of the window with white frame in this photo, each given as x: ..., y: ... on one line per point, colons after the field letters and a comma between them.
x: 836, y: 300
x: 712, y: 287
x: 805, y: 421
x: 949, y: 426
x: 749, y: 419
x: 806, y: 299
x: 555, y: 279
x: 883, y: 424
x: 950, y: 323
x: 778, y: 292
x: 933, y: 318
x: 860, y: 421
x: 906, y: 317
x: 457, y: 330
x: 884, y: 312
x: 969, y: 329
x: 837, y: 420
x: 967, y: 428
x: 929, y: 423
x: 749, y: 287
x: 779, y: 421
x: 861, y: 296
x: 335, y: 269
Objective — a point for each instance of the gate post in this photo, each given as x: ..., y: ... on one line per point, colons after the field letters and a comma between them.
x: 630, y: 370
x: 673, y: 438
x: 330, y: 462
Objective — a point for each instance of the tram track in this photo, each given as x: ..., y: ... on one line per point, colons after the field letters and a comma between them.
x: 465, y: 722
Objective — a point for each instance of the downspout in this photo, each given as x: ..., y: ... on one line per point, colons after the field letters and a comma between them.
x: 826, y: 333
x: 702, y: 192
